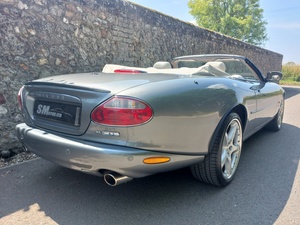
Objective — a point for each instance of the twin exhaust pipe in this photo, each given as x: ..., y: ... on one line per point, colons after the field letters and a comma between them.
x: 114, y: 179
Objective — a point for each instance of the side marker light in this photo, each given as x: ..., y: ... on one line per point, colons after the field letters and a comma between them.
x: 156, y: 160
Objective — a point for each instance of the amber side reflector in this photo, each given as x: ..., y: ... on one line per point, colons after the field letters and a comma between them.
x: 156, y: 160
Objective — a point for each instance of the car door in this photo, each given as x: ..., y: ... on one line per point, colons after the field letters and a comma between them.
x: 263, y: 102
x: 266, y: 102
x: 265, y: 95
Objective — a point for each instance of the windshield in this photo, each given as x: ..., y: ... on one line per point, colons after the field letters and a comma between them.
x: 231, y: 67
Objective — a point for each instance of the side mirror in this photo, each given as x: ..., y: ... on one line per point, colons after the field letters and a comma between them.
x: 274, y: 76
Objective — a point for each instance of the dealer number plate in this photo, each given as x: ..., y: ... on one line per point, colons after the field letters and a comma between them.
x: 59, y: 112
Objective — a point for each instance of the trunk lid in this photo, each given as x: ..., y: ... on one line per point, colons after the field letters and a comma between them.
x: 64, y: 103
x: 113, y: 83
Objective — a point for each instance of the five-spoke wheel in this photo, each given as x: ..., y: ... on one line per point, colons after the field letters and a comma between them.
x: 231, y: 148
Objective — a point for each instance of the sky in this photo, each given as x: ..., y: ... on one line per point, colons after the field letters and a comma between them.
x: 282, y: 16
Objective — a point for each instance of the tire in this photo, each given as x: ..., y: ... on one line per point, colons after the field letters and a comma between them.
x: 276, y: 122
x: 219, y: 166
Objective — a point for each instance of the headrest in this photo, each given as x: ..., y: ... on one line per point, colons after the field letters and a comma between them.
x: 219, y: 65
x: 162, y: 65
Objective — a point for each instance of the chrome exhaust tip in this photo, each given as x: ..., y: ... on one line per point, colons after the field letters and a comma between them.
x: 114, y: 179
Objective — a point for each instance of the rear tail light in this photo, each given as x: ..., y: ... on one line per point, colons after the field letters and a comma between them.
x: 120, y: 111
x: 131, y: 71
x: 20, y: 98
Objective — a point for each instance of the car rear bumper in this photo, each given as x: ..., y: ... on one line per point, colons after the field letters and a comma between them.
x: 96, y: 158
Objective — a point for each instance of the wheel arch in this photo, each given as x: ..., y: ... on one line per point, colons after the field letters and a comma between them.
x: 238, y: 109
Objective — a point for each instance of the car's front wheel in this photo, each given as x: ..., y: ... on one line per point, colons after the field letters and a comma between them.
x: 219, y: 166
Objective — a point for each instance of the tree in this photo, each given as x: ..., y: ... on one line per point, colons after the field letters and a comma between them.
x: 290, y: 64
x: 241, y: 19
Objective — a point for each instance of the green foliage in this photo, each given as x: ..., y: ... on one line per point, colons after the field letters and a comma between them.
x: 291, y: 72
x: 241, y: 19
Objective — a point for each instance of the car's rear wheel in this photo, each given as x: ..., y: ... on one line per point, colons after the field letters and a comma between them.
x: 276, y: 122
x: 219, y: 166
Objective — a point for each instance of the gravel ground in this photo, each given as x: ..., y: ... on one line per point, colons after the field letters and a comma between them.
x: 17, y: 158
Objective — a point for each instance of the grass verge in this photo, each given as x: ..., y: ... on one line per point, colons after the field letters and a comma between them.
x: 289, y: 82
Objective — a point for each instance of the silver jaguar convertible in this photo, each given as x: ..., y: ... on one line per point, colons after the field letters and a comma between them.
x: 131, y: 122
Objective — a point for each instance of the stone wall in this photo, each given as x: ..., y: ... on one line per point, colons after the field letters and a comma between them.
x: 40, y: 38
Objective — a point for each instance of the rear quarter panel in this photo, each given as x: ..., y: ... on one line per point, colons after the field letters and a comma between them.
x: 186, y: 113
